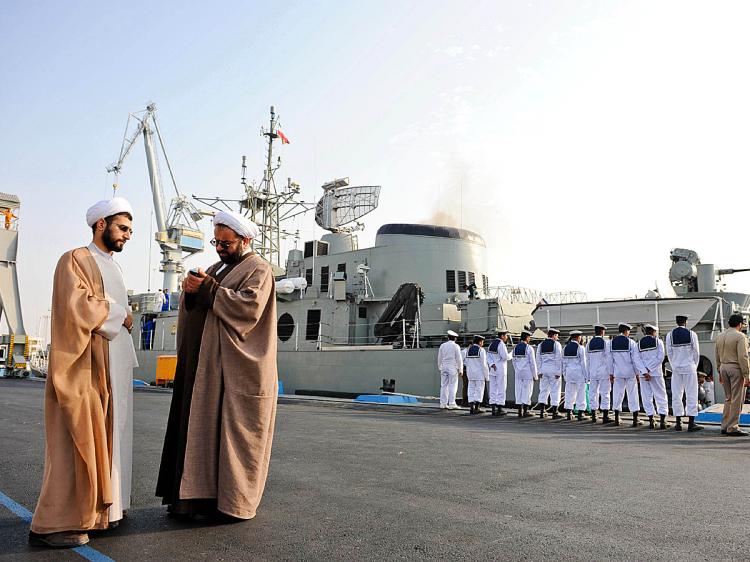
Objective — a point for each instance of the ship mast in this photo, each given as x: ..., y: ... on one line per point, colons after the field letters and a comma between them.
x: 268, y: 207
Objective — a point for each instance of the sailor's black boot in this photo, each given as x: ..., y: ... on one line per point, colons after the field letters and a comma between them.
x: 542, y: 413
x: 678, y: 424
x: 663, y: 421
x: 593, y: 416
x: 526, y: 412
x: 651, y: 422
x: 519, y: 411
x: 605, y: 417
x: 568, y: 414
x: 473, y: 408
x: 580, y: 415
x: 692, y: 426
x: 478, y: 409
x: 555, y: 413
x: 494, y: 411
x: 636, y: 423
x: 500, y: 411
x: 617, y: 418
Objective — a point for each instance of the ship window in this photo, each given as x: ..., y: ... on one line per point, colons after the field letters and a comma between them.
x: 313, y: 325
x: 450, y: 280
x: 341, y: 267
x: 324, y: 275
x: 285, y: 326
x: 461, y: 280
x: 472, y: 278
x: 309, y: 277
x: 309, y: 248
x: 363, y: 312
x: 485, y: 285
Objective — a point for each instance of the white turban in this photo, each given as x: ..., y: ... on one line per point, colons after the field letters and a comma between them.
x: 107, y: 208
x: 241, y: 225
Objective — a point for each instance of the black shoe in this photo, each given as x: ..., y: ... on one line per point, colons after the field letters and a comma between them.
x: 606, y: 419
x: 542, y: 413
x: 678, y: 424
x: 63, y: 539
x: 617, y: 418
x: 593, y: 416
x: 555, y: 413
x: 723, y: 431
x: 651, y: 422
x: 472, y: 409
x: 636, y: 423
x: 501, y: 412
x: 526, y: 412
x: 568, y: 414
x: 735, y: 433
x: 663, y: 422
x: 478, y: 409
x: 692, y: 426
x: 494, y: 410
x: 520, y: 414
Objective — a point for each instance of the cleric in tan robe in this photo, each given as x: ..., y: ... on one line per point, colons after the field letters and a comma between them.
x: 218, y: 440
x: 77, y: 490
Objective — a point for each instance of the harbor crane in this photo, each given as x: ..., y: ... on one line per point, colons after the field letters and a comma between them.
x: 177, y: 229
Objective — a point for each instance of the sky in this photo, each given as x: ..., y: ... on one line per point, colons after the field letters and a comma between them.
x: 582, y: 139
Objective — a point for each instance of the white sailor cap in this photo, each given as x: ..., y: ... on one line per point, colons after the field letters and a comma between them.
x: 650, y: 327
x: 576, y: 333
x: 600, y: 326
x: 478, y: 337
x: 501, y: 332
x: 622, y: 326
x: 525, y: 333
x: 553, y: 331
x: 452, y: 333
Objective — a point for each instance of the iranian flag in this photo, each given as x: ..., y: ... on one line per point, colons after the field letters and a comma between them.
x: 282, y: 136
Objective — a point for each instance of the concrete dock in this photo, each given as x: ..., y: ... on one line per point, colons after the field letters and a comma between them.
x: 367, y: 482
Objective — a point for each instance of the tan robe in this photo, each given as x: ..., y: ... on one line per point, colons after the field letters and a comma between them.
x: 76, y: 491
x: 234, y: 398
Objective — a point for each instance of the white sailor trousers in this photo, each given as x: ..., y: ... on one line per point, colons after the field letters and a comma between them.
x: 497, y: 388
x: 654, y: 390
x: 550, y: 387
x: 448, y: 388
x: 524, y: 388
x: 575, y: 394
x: 599, y: 391
x: 687, y: 385
x: 620, y: 388
x: 476, y: 390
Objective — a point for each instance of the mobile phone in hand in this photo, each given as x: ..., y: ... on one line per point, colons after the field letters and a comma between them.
x: 194, y: 272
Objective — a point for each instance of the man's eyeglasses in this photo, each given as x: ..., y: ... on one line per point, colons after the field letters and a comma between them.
x: 124, y: 228
x: 222, y: 243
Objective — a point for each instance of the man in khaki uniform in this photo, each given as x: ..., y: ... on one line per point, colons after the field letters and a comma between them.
x: 734, y: 373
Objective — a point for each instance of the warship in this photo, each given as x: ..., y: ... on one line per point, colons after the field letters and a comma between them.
x: 357, y: 320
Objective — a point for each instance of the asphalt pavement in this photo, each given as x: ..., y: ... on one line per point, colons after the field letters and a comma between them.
x: 367, y: 482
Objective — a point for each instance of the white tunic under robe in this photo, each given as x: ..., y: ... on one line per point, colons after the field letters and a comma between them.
x: 652, y: 355
x: 122, y: 359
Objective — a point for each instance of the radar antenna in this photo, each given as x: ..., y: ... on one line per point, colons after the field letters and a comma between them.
x: 342, y: 205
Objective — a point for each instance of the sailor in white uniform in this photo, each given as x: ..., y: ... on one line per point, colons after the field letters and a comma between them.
x: 684, y: 354
x: 651, y: 349
x: 498, y: 357
x: 524, y: 365
x: 477, y: 371
x: 599, y: 363
x: 626, y: 366
x: 451, y: 364
x: 549, y: 365
x: 575, y: 373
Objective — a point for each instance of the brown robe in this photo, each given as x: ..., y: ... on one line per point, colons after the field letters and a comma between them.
x: 76, y: 491
x: 233, y: 406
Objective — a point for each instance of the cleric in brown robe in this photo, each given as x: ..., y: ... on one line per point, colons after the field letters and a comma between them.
x: 218, y: 440
x: 77, y: 488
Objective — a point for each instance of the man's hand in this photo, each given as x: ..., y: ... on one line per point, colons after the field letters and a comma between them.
x: 746, y: 383
x: 721, y: 379
x: 192, y: 283
x: 647, y: 376
x: 493, y: 367
x: 611, y: 378
x: 128, y: 322
x: 557, y: 376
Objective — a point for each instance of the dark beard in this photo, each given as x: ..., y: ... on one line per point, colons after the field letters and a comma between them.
x: 111, y: 244
x: 233, y: 257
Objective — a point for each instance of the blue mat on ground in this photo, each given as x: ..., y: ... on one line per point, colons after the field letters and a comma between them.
x: 713, y: 414
x: 386, y: 399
